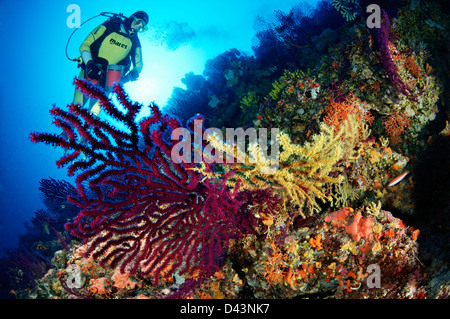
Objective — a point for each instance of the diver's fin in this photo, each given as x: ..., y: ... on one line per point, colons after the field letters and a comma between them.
x: 95, y: 109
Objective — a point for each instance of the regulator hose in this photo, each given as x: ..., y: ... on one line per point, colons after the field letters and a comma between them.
x: 103, y: 14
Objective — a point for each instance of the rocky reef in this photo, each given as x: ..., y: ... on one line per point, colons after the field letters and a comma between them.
x: 349, y: 213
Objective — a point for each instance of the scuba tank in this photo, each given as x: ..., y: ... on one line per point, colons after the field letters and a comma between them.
x: 113, y: 74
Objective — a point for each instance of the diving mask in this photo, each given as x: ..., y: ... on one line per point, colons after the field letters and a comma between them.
x: 139, y: 25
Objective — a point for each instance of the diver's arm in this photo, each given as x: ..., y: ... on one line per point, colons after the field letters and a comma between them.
x: 86, y: 56
x: 137, y: 62
x: 137, y: 67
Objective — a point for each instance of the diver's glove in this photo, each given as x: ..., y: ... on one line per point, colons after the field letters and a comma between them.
x: 94, y: 70
x: 133, y: 75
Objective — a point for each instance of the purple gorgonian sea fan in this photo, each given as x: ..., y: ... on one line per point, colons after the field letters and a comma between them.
x: 139, y: 209
x: 382, y: 36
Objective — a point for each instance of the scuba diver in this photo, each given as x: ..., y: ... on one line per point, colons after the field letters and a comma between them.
x: 109, y: 51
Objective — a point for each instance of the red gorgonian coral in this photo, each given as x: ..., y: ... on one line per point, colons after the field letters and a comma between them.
x: 139, y: 209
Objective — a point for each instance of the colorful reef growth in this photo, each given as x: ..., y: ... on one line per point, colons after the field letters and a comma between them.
x: 138, y: 208
x: 329, y: 220
x: 151, y: 226
x: 337, y: 255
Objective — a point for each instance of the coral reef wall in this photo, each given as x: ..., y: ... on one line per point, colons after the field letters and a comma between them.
x: 359, y: 115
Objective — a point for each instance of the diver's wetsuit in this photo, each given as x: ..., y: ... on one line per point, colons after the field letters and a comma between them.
x: 109, y: 43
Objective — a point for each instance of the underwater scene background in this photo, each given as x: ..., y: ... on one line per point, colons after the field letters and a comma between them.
x: 353, y: 93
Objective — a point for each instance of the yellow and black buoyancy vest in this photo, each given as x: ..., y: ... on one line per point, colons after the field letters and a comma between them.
x: 107, y: 41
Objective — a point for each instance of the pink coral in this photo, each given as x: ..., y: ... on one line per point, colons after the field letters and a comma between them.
x: 337, y: 217
x: 98, y: 286
x: 122, y: 281
x: 360, y: 228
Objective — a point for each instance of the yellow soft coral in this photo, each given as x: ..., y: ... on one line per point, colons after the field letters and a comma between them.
x: 303, y: 171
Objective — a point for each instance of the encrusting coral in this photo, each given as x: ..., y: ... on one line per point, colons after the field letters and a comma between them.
x: 331, y: 255
x: 305, y: 223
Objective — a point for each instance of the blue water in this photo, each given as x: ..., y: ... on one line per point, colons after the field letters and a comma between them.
x: 36, y: 74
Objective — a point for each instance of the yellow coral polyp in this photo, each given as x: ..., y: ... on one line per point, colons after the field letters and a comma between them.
x: 374, y: 156
x: 351, y: 246
x: 376, y: 247
x: 292, y: 249
x: 377, y: 228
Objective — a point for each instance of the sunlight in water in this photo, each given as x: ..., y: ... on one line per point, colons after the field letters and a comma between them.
x: 164, y: 69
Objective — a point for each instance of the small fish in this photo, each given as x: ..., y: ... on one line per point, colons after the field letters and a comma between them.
x: 398, y: 179
x: 41, y: 247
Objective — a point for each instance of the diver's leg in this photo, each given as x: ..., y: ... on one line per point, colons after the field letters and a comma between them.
x: 79, y: 97
x: 94, y: 107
